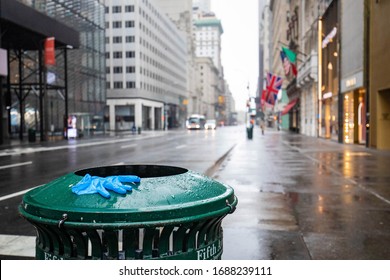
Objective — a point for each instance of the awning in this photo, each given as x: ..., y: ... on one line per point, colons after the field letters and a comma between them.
x: 23, y: 27
x: 289, y: 106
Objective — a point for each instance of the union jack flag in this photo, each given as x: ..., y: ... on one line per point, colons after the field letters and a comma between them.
x: 274, y: 84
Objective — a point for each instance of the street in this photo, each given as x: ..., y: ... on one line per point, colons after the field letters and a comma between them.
x: 29, y: 167
x: 298, y: 197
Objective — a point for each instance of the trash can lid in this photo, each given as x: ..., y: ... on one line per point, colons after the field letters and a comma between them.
x: 165, y: 195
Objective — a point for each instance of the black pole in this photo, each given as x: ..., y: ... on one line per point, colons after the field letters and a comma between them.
x: 41, y: 127
x: 66, y: 92
x: 20, y: 96
x: 8, y: 98
x: 1, y: 102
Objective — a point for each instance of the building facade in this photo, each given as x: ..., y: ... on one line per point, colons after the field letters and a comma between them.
x: 329, y: 99
x: 146, y: 66
x: 207, y: 79
x: 284, y: 34
x: 353, y: 72
x: 40, y: 97
x: 307, y: 77
x: 379, y: 78
x: 180, y: 12
x: 208, y: 32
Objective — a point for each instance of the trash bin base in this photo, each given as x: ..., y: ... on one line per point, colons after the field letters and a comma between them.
x: 195, y: 241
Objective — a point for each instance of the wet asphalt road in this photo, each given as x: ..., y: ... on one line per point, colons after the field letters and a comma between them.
x: 306, y: 198
x: 28, y: 166
x: 299, y: 197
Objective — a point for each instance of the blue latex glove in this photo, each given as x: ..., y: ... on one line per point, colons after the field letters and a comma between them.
x: 94, y: 184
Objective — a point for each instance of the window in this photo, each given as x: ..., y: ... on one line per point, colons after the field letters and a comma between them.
x: 130, y: 84
x: 116, y: 24
x: 118, y: 70
x: 118, y: 84
x: 130, y: 69
x: 130, y: 54
x: 117, y: 54
x: 130, y: 39
x: 116, y: 9
x: 107, y: 24
x: 129, y: 8
x: 117, y: 39
x: 107, y: 40
x: 108, y: 70
x: 107, y: 55
x: 107, y: 10
x: 130, y: 23
x: 108, y: 85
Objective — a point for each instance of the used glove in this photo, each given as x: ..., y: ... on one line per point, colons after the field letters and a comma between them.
x: 95, y: 184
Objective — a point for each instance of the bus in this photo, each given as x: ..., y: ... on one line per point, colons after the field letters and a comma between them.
x: 196, y: 121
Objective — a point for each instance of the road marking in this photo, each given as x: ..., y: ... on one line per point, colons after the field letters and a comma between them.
x: 8, y: 196
x: 15, y: 164
x: 181, y: 146
x: 19, y: 151
x: 17, y: 245
x: 128, y: 146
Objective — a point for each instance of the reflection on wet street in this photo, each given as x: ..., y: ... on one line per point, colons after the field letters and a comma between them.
x: 306, y: 198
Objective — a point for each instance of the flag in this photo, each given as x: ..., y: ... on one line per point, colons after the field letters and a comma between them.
x: 274, y: 84
x: 292, y: 57
x: 286, y: 62
x: 50, y: 56
x: 263, y: 98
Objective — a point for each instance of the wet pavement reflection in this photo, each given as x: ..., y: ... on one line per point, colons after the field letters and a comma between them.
x: 306, y: 198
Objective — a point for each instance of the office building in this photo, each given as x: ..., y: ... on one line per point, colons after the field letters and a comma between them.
x: 146, y: 66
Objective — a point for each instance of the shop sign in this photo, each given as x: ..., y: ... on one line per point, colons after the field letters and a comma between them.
x: 327, y: 95
x: 352, y: 82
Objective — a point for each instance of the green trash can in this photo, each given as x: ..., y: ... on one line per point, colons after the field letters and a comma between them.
x: 31, y: 135
x: 173, y: 213
x: 249, y: 132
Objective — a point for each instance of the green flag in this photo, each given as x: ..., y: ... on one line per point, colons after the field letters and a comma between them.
x: 292, y: 56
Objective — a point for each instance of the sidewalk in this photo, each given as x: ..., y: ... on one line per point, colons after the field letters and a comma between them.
x: 306, y: 198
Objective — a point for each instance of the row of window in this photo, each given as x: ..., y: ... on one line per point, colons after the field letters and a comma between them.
x: 118, y: 39
x: 118, y: 9
x: 129, y: 54
x: 119, y: 85
x: 119, y: 69
x: 132, y: 84
x: 118, y: 24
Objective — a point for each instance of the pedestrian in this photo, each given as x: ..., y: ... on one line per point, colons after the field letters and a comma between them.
x: 262, y: 125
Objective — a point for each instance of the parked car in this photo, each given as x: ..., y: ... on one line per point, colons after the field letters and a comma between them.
x: 210, y: 124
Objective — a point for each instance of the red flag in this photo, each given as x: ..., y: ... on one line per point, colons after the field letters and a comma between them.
x: 50, y: 55
x: 294, y: 69
x: 263, y: 98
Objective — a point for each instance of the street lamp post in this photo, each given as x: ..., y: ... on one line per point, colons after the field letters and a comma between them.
x: 66, y: 91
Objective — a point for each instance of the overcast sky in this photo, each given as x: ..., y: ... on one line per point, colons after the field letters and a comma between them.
x: 239, y: 46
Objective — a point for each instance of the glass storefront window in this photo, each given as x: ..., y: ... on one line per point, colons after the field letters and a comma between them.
x: 348, y: 125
